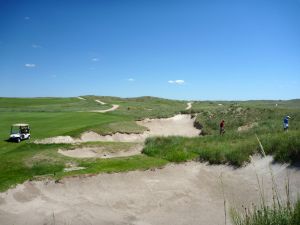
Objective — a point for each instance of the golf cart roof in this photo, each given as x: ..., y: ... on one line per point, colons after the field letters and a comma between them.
x: 20, y: 125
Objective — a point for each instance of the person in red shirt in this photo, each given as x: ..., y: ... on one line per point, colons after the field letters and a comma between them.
x: 222, y: 127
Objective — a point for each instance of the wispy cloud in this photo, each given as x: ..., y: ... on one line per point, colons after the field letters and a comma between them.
x: 131, y: 79
x: 176, y: 82
x: 36, y: 46
x: 27, y: 18
x: 95, y: 59
x: 30, y: 65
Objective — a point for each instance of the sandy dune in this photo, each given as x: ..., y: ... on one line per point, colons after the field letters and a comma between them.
x: 177, y: 195
x: 179, y: 125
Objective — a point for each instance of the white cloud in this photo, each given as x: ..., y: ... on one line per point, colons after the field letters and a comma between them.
x: 30, y: 65
x: 131, y: 79
x: 95, y: 59
x: 176, y: 81
x: 36, y: 46
x: 27, y: 18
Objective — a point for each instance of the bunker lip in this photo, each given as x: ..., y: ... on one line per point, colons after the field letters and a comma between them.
x: 176, y: 194
x: 101, y: 152
x: 179, y: 125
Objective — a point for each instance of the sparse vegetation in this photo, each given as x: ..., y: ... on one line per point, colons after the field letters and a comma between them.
x: 281, y: 212
x: 268, y: 215
x: 229, y: 149
x: 236, y: 145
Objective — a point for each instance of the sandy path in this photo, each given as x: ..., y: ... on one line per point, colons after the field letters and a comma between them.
x: 81, y: 98
x: 102, y: 103
x: 177, y: 195
x: 189, y: 106
x: 114, y: 107
x: 179, y: 125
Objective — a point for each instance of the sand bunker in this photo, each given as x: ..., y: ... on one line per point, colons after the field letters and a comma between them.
x: 179, y: 125
x: 101, y: 152
x: 179, y: 194
x: 81, y: 98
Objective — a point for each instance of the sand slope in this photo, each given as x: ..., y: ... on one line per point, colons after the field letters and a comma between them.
x: 101, y: 152
x: 177, y: 195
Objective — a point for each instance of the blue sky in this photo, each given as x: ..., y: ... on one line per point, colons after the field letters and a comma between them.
x: 216, y: 50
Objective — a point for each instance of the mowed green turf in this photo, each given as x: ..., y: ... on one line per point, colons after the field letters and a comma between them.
x: 138, y: 108
x: 49, y: 105
x: 50, y: 117
x: 57, y: 123
x: 32, y: 161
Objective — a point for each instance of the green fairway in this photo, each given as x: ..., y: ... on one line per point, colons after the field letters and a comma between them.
x: 49, y: 117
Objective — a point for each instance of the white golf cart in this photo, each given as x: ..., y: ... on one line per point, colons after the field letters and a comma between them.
x: 19, y: 132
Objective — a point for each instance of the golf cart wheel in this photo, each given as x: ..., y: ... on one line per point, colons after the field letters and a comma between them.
x: 18, y: 140
x: 28, y: 137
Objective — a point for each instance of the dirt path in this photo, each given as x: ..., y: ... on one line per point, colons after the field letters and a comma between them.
x: 113, y: 108
x: 179, y: 194
x: 189, y: 106
x: 102, y: 103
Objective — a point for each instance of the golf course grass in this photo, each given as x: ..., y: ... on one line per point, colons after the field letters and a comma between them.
x: 49, y: 117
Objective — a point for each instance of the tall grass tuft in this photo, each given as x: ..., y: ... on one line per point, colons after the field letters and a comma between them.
x: 279, y: 213
x: 268, y: 215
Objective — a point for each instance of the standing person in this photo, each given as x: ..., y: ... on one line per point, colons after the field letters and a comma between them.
x: 222, y: 127
x: 286, y: 123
